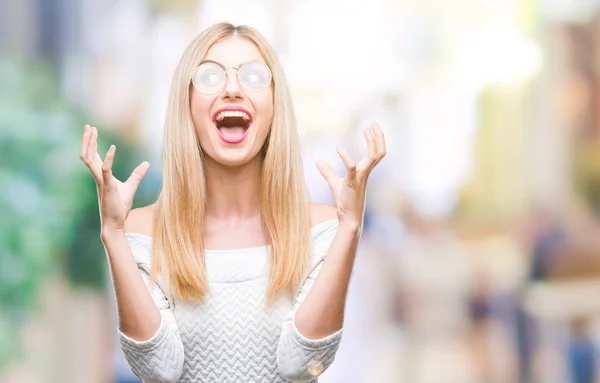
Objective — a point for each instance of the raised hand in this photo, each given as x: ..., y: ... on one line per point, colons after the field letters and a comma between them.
x: 115, y: 198
x: 349, y: 192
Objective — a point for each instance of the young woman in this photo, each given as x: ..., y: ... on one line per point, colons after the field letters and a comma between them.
x: 232, y: 275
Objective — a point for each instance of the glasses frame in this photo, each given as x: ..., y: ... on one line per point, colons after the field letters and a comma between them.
x: 237, y: 69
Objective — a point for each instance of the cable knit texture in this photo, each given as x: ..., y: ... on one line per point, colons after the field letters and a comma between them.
x: 231, y: 335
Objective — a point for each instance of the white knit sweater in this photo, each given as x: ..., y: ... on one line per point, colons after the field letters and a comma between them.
x: 231, y: 335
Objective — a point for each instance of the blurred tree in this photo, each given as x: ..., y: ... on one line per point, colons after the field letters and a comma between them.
x: 49, y: 221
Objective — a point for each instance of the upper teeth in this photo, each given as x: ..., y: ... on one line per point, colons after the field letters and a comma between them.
x: 232, y: 113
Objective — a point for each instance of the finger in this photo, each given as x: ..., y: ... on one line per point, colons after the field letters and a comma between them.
x: 92, y: 147
x: 379, y: 141
x: 138, y: 175
x: 94, y: 153
x: 84, y: 143
x: 93, y: 158
x: 88, y: 149
x: 349, y: 163
x: 107, y: 167
x: 93, y: 166
x: 328, y: 173
x: 371, y: 147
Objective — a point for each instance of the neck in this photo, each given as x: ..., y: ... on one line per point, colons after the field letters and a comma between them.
x: 234, y: 193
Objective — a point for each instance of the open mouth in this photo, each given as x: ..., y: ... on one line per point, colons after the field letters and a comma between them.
x: 232, y: 125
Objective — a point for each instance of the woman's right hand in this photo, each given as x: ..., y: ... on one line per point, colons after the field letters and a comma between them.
x: 115, y: 198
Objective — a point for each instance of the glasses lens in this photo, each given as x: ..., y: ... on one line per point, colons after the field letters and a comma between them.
x: 209, y: 78
x: 254, y: 76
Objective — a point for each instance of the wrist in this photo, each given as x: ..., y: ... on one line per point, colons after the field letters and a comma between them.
x: 351, y: 226
x: 108, y: 233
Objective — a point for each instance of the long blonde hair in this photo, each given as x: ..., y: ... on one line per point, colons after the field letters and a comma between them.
x: 177, y: 251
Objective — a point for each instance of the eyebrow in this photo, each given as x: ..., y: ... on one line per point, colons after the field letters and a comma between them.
x: 214, y: 62
x: 223, y: 67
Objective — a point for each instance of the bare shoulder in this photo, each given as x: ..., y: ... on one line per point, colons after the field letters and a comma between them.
x: 140, y: 220
x: 320, y: 212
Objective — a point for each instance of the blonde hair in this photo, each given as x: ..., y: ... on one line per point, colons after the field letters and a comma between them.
x: 177, y: 250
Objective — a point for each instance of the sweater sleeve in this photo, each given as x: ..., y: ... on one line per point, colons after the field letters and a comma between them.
x: 300, y: 359
x: 160, y: 358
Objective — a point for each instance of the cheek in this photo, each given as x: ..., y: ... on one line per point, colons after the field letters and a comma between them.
x: 194, y: 106
x: 199, y: 108
x: 266, y: 109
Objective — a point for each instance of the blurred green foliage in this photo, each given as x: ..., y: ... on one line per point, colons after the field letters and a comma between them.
x: 49, y: 223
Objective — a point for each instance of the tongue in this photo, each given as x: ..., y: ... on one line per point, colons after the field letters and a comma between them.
x: 232, y: 132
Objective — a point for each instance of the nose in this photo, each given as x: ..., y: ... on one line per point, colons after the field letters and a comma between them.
x: 232, y: 88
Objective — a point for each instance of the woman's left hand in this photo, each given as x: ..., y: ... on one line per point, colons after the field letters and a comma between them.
x: 350, y: 191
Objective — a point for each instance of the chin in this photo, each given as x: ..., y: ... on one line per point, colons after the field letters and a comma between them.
x: 234, y: 158
x: 231, y: 161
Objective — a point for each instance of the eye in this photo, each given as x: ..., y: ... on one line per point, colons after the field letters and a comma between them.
x: 211, y: 78
x: 254, y: 78
x: 209, y: 74
x: 255, y: 74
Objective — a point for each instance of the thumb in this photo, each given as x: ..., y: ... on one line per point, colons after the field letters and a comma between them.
x: 138, y: 175
x: 327, y: 172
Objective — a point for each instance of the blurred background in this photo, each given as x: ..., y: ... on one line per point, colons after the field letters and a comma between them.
x: 480, y: 260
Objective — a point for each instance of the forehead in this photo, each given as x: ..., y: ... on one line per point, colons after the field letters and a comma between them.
x: 233, y: 51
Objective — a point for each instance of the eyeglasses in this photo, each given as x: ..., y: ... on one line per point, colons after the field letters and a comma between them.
x: 210, y: 77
